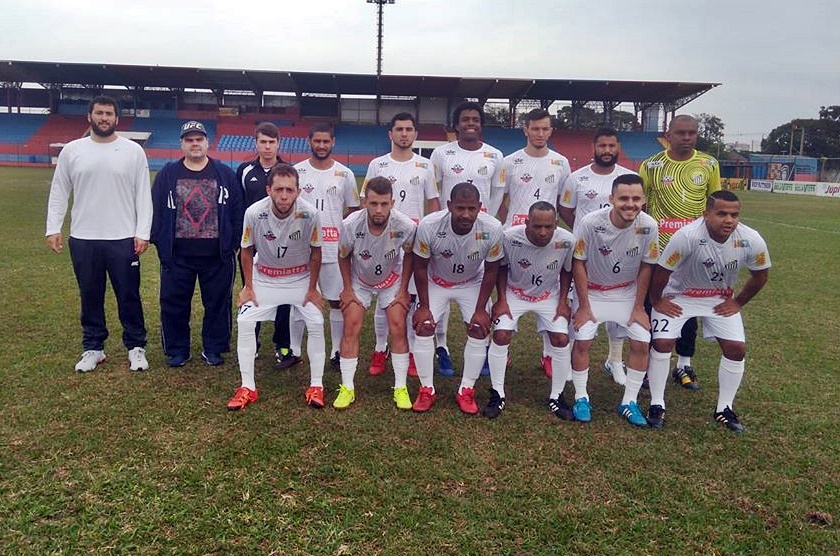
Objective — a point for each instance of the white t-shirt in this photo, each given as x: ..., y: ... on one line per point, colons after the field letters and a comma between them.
x: 329, y: 191
x: 457, y: 260
x: 482, y: 168
x: 613, y: 255
x: 530, y: 179
x: 585, y: 191
x: 112, y: 195
x: 533, y: 273
x: 703, y: 267
x: 413, y: 182
x: 283, y: 245
x: 376, y: 260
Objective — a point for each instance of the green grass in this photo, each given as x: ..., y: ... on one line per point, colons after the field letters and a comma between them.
x: 113, y: 462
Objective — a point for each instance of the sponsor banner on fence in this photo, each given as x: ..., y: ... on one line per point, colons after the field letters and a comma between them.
x: 733, y: 183
x: 761, y: 185
x: 820, y: 189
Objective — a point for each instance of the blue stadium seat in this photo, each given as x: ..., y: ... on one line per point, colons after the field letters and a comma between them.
x: 19, y: 128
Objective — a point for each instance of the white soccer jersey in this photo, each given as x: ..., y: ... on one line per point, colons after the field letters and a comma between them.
x: 703, y: 267
x: 283, y: 245
x: 376, y: 261
x: 613, y: 255
x: 413, y: 182
x: 482, y: 168
x: 530, y: 179
x: 585, y: 191
x: 458, y: 260
x: 534, y: 272
x: 329, y: 191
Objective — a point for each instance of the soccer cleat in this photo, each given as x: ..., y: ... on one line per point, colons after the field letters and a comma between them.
x: 401, y: 398
x: 212, y: 359
x: 288, y: 360
x: 178, y: 360
x: 242, y: 397
x: 445, y: 367
x: 728, y: 418
x: 335, y: 362
x: 633, y: 414
x: 561, y: 409
x: 137, y: 359
x: 616, y: 371
x: 545, y: 363
x: 495, y: 405
x: 377, y: 362
x: 279, y: 353
x: 685, y: 377
x: 345, y: 397
x: 582, y: 410
x: 466, y: 401
x: 412, y: 367
x: 90, y: 359
x: 656, y: 416
x: 425, y: 398
x: 315, y: 397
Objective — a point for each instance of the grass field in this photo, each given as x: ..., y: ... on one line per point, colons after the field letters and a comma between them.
x: 114, y: 462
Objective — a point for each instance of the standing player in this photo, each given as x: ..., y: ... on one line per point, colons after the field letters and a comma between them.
x: 253, y: 175
x: 375, y: 259
x: 586, y: 190
x: 469, y: 160
x: 457, y: 254
x: 110, y: 224
x: 331, y: 187
x: 534, y: 277
x: 677, y: 183
x: 533, y: 174
x: 281, y: 259
x: 413, y: 181
x: 616, y: 248
x: 695, y: 277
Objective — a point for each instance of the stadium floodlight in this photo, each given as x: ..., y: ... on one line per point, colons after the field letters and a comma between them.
x: 379, y: 8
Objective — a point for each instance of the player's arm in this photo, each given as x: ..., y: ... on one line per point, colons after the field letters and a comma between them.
x: 753, y: 285
x: 481, y: 318
x: 495, y: 201
x: 563, y: 309
x: 504, y: 207
x: 312, y: 293
x: 348, y: 294
x: 584, y: 311
x: 57, y: 205
x: 247, y: 262
x: 500, y: 307
x: 567, y: 215
x: 142, y: 204
x: 403, y: 297
x: 638, y: 314
x: 432, y: 192
x: 423, y: 313
x: 658, y: 281
x: 432, y: 205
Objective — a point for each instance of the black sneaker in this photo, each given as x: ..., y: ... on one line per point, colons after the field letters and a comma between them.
x: 656, y: 416
x: 561, y: 409
x: 335, y: 362
x: 213, y: 359
x: 287, y: 360
x: 685, y: 377
x: 728, y: 418
x: 495, y: 405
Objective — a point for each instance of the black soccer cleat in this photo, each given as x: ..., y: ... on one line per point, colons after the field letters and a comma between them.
x: 656, y: 416
x: 728, y: 418
x: 495, y: 405
x: 685, y: 377
x: 561, y: 409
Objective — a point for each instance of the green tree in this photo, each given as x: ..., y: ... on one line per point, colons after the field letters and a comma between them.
x: 593, y: 119
x: 710, y: 134
x: 821, y: 135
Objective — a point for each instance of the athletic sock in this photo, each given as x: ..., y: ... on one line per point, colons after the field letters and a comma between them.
x: 616, y: 350
x: 348, y: 371
x: 424, y: 353
x: 579, y: 379
x: 441, y: 330
x: 336, y: 330
x: 683, y: 361
x: 296, y: 327
x: 632, y: 386
x: 315, y: 350
x: 246, y: 350
x: 475, y: 353
x: 561, y: 369
x: 497, y: 358
x: 380, y: 328
x: 730, y: 374
x: 658, y: 376
x: 400, y: 363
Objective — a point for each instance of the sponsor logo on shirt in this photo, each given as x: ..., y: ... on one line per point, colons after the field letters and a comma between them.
x: 246, y: 236
x: 519, y: 219
x: 262, y: 216
x: 329, y: 233
x: 392, y: 254
x: 365, y: 255
x: 526, y: 178
x: 580, y: 248
x: 590, y: 194
x: 605, y: 250
x: 633, y: 251
x: 457, y: 168
x: 490, y: 155
x: 423, y: 248
x: 474, y: 256
x: 656, y: 164
x: 495, y: 250
x: 269, y: 236
x: 446, y: 254
x: 674, y: 258
x: 667, y: 180
x: 550, y: 178
x: 309, y: 188
x: 482, y: 171
x: 761, y: 258
x: 340, y: 173
x: 555, y: 162
x: 524, y: 263
x: 392, y: 179
x: 709, y: 263
x: 567, y: 196
x: 296, y: 235
x: 518, y: 161
x: 553, y: 265
x: 600, y: 230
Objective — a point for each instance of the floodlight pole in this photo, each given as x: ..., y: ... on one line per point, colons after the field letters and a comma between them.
x: 380, y: 6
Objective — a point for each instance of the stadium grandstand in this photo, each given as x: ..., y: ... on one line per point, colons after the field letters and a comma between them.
x: 43, y: 106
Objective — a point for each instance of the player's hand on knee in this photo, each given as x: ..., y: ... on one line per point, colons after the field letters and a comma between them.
x: 314, y: 297
x: 479, y: 325
x: 581, y: 317
x: 423, y: 322
x: 246, y: 295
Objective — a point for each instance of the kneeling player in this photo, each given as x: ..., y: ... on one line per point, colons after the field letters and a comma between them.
x: 286, y: 233
x: 695, y: 277
x: 616, y: 247
x: 375, y: 259
x: 535, y: 270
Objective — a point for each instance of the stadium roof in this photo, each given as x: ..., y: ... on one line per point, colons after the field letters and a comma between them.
x: 58, y: 74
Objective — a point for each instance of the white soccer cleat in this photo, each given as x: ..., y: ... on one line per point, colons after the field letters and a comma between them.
x: 616, y: 371
x: 89, y: 360
x: 137, y: 359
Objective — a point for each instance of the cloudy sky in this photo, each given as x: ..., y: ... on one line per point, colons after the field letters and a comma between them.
x: 776, y: 60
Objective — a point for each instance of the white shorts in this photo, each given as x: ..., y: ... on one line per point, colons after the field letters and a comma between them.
x: 384, y: 296
x: 465, y: 296
x: 330, y: 282
x: 714, y: 326
x: 270, y: 296
x: 545, y: 311
x: 611, y: 309
x: 412, y: 291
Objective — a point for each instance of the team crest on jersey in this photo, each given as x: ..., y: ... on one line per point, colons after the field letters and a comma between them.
x: 332, y: 190
x: 553, y: 265
x: 397, y: 234
x: 414, y: 181
x: 262, y: 216
x: 474, y: 256
x: 423, y: 247
x: 633, y: 251
x: 562, y: 244
x: 424, y: 165
x: 740, y: 243
x: 482, y: 171
x: 482, y: 235
x: 526, y: 178
x: 524, y: 263
x: 308, y: 188
x: 731, y: 265
x: 697, y: 178
x: 515, y: 243
x: 667, y: 180
x: 441, y: 234
x: 340, y: 173
x: 302, y: 215
x: 392, y: 179
x: 392, y: 254
x: 600, y: 230
x: 360, y: 234
x: 446, y: 254
x: 269, y: 236
x: 761, y: 259
x: 518, y: 161
x: 296, y: 235
x: 246, y: 236
x: 643, y: 231
x: 365, y: 255
x: 605, y: 250
x: 551, y: 178
x: 674, y: 258
x: 457, y: 168
x: 449, y: 152
x: 591, y: 194
x: 656, y: 164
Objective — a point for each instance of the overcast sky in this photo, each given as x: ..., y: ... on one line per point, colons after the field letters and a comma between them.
x: 776, y: 60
